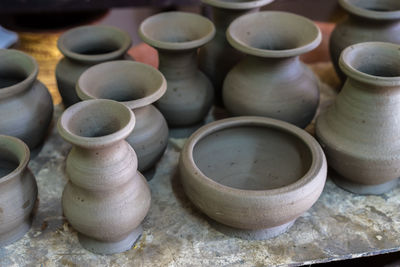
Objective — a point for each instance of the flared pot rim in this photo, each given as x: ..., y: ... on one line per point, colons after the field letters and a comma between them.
x: 247, y: 48
x: 24, y: 84
x: 351, y: 54
x: 185, y: 45
x: 354, y: 9
x: 124, y: 45
x: 91, y: 73
x: 23, y: 158
x: 245, y: 5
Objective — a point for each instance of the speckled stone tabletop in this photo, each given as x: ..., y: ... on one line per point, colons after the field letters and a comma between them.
x: 340, y: 225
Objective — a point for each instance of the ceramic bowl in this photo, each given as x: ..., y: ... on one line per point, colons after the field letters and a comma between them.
x: 252, y: 173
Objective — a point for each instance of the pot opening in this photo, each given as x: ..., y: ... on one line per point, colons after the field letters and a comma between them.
x: 97, y: 119
x: 12, y: 154
x: 91, y: 49
x: 15, y: 67
x: 7, y: 164
x: 377, y: 5
x: 252, y: 157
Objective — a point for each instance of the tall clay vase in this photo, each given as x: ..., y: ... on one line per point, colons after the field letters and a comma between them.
x: 177, y: 36
x: 137, y: 86
x: 218, y: 57
x: 106, y: 198
x: 360, y: 131
x: 82, y: 48
x: 271, y: 81
x: 368, y: 20
x: 26, y: 107
x: 18, y: 190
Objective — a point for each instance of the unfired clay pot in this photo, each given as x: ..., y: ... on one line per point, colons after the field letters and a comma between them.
x: 137, y: 86
x: 18, y: 190
x: 368, y: 20
x: 271, y: 81
x: 252, y: 173
x: 218, y: 57
x: 360, y: 131
x: 26, y: 107
x: 177, y: 36
x: 82, y: 48
x: 106, y: 198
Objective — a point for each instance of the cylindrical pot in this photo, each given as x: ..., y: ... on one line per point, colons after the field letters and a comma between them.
x: 177, y: 36
x: 82, y: 48
x: 137, y: 86
x: 252, y: 173
x: 106, y: 198
x: 218, y: 57
x: 368, y: 20
x: 26, y: 107
x: 18, y: 190
x: 359, y: 132
x: 271, y: 81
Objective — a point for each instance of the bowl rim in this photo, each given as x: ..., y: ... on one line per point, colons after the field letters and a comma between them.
x: 353, y: 9
x: 317, y: 162
x: 237, y: 5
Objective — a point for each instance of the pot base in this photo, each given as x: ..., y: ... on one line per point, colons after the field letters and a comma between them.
x: 261, y: 234
x: 15, y: 234
x: 360, y: 188
x: 100, y: 247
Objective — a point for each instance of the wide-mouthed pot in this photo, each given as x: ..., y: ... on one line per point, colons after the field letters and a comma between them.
x: 368, y: 20
x: 84, y: 47
x: 26, y: 107
x: 272, y: 81
x: 360, y: 131
x: 252, y: 173
x: 18, y: 190
x: 177, y: 36
x: 218, y: 57
x: 137, y: 86
x: 106, y: 198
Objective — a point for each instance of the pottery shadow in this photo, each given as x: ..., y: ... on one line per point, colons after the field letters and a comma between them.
x: 184, y: 132
x: 149, y: 174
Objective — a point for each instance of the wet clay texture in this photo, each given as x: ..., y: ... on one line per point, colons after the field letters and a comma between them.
x: 137, y: 86
x: 82, y: 48
x: 218, y: 57
x: 272, y: 81
x: 177, y: 36
x: 368, y: 20
x: 18, y: 190
x: 26, y: 107
x: 106, y: 198
x: 359, y: 132
x: 255, y: 174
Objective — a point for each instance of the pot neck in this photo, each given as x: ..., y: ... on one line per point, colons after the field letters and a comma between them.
x: 92, y: 152
x: 176, y: 65
x: 284, y: 67
x: 223, y: 17
x: 370, y: 22
x: 371, y: 88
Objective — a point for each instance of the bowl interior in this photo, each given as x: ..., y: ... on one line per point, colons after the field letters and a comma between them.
x: 15, y: 67
x: 273, y: 31
x: 377, y: 5
x: 11, y: 155
x: 252, y: 157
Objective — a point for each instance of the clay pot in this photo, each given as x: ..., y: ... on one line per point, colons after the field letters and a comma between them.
x: 18, y: 190
x: 26, y: 107
x: 106, y: 198
x: 368, y: 20
x: 218, y: 57
x: 177, y: 36
x: 82, y: 48
x: 252, y: 173
x: 137, y: 86
x: 271, y: 81
x: 359, y: 132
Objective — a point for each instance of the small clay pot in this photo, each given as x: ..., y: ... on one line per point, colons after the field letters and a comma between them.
x: 106, y: 198
x: 368, y: 20
x: 271, y: 81
x: 137, y: 86
x: 177, y: 36
x: 26, y: 107
x: 18, y: 190
x: 218, y: 57
x: 252, y: 173
x: 359, y: 132
x: 82, y: 48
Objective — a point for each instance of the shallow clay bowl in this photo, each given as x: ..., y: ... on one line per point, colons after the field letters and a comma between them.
x: 252, y: 173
